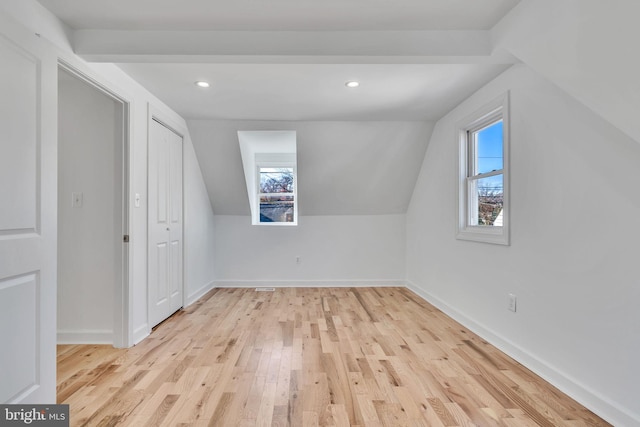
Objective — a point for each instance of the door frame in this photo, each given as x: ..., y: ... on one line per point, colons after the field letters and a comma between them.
x: 166, y: 118
x: 122, y: 315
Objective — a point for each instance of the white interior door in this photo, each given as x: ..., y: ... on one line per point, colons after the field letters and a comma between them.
x: 165, y: 223
x: 28, y: 162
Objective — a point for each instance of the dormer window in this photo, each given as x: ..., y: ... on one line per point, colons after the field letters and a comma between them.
x: 269, y: 161
x: 277, y: 194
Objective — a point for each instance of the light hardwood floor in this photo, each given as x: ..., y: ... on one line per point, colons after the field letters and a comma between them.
x: 305, y: 357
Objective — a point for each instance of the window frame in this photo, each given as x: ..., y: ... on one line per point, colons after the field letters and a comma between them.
x: 258, y: 194
x: 489, y: 114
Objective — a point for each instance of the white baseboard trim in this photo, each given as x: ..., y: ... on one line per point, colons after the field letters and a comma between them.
x: 199, y: 293
x: 594, y: 401
x: 140, y: 333
x: 85, y: 336
x: 307, y: 283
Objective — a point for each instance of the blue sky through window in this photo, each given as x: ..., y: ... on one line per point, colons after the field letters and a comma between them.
x: 489, y: 148
x: 490, y: 157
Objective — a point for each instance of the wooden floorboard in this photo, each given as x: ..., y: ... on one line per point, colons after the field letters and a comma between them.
x: 309, y: 357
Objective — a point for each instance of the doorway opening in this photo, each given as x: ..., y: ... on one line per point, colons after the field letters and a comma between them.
x: 92, y: 212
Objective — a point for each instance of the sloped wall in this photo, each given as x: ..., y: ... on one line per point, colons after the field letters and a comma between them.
x: 587, y: 47
x: 573, y: 258
x: 344, y: 167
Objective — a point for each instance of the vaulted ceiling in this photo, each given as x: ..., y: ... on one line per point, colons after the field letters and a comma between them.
x: 286, y: 62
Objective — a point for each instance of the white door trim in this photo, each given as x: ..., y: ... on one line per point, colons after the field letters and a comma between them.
x: 122, y: 326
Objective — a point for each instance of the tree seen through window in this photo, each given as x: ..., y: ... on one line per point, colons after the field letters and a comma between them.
x: 276, y: 194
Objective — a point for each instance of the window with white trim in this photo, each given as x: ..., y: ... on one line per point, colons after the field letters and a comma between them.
x: 269, y: 161
x: 483, y: 211
x: 276, y: 194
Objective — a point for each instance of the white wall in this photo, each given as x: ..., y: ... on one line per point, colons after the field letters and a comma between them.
x: 587, y: 47
x: 344, y: 167
x: 36, y: 19
x: 348, y: 249
x: 90, y: 162
x: 199, y: 236
x: 573, y: 258
x: 198, y: 232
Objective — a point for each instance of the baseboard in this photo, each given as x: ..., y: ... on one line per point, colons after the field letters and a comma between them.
x: 199, y: 293
x: 306, y: 283
x: 140, y: 333
x: 85, y: 336
x: 587, y: 397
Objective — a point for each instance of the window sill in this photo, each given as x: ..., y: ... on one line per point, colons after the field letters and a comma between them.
x: 493, y: 235
x: 277, y: 224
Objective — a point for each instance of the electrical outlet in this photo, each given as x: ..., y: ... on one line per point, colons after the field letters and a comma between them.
x: 512, y: 302
x: 297, y: 259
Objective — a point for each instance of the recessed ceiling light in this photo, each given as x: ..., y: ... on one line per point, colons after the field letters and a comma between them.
x: 352, y: 84
x: 202, y: 83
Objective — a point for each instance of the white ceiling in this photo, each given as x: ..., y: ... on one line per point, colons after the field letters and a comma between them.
x: 289, y: 59
x: 313, y: 91
x: 283, y: 64
x: 280, y: 14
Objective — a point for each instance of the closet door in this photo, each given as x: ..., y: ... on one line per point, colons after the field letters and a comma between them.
x: 165, y: 223
x: 28, y: 198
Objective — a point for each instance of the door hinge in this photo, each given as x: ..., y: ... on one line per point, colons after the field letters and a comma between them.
x: 125, y: 238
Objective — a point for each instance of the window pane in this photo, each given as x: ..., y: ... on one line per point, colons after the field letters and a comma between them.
x: 488, y: 199
x: 276, y: 180
x: 488, y: 148
x: 276, y: 208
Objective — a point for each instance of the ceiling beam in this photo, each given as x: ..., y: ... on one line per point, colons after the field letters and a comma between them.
x: 124, y: 46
